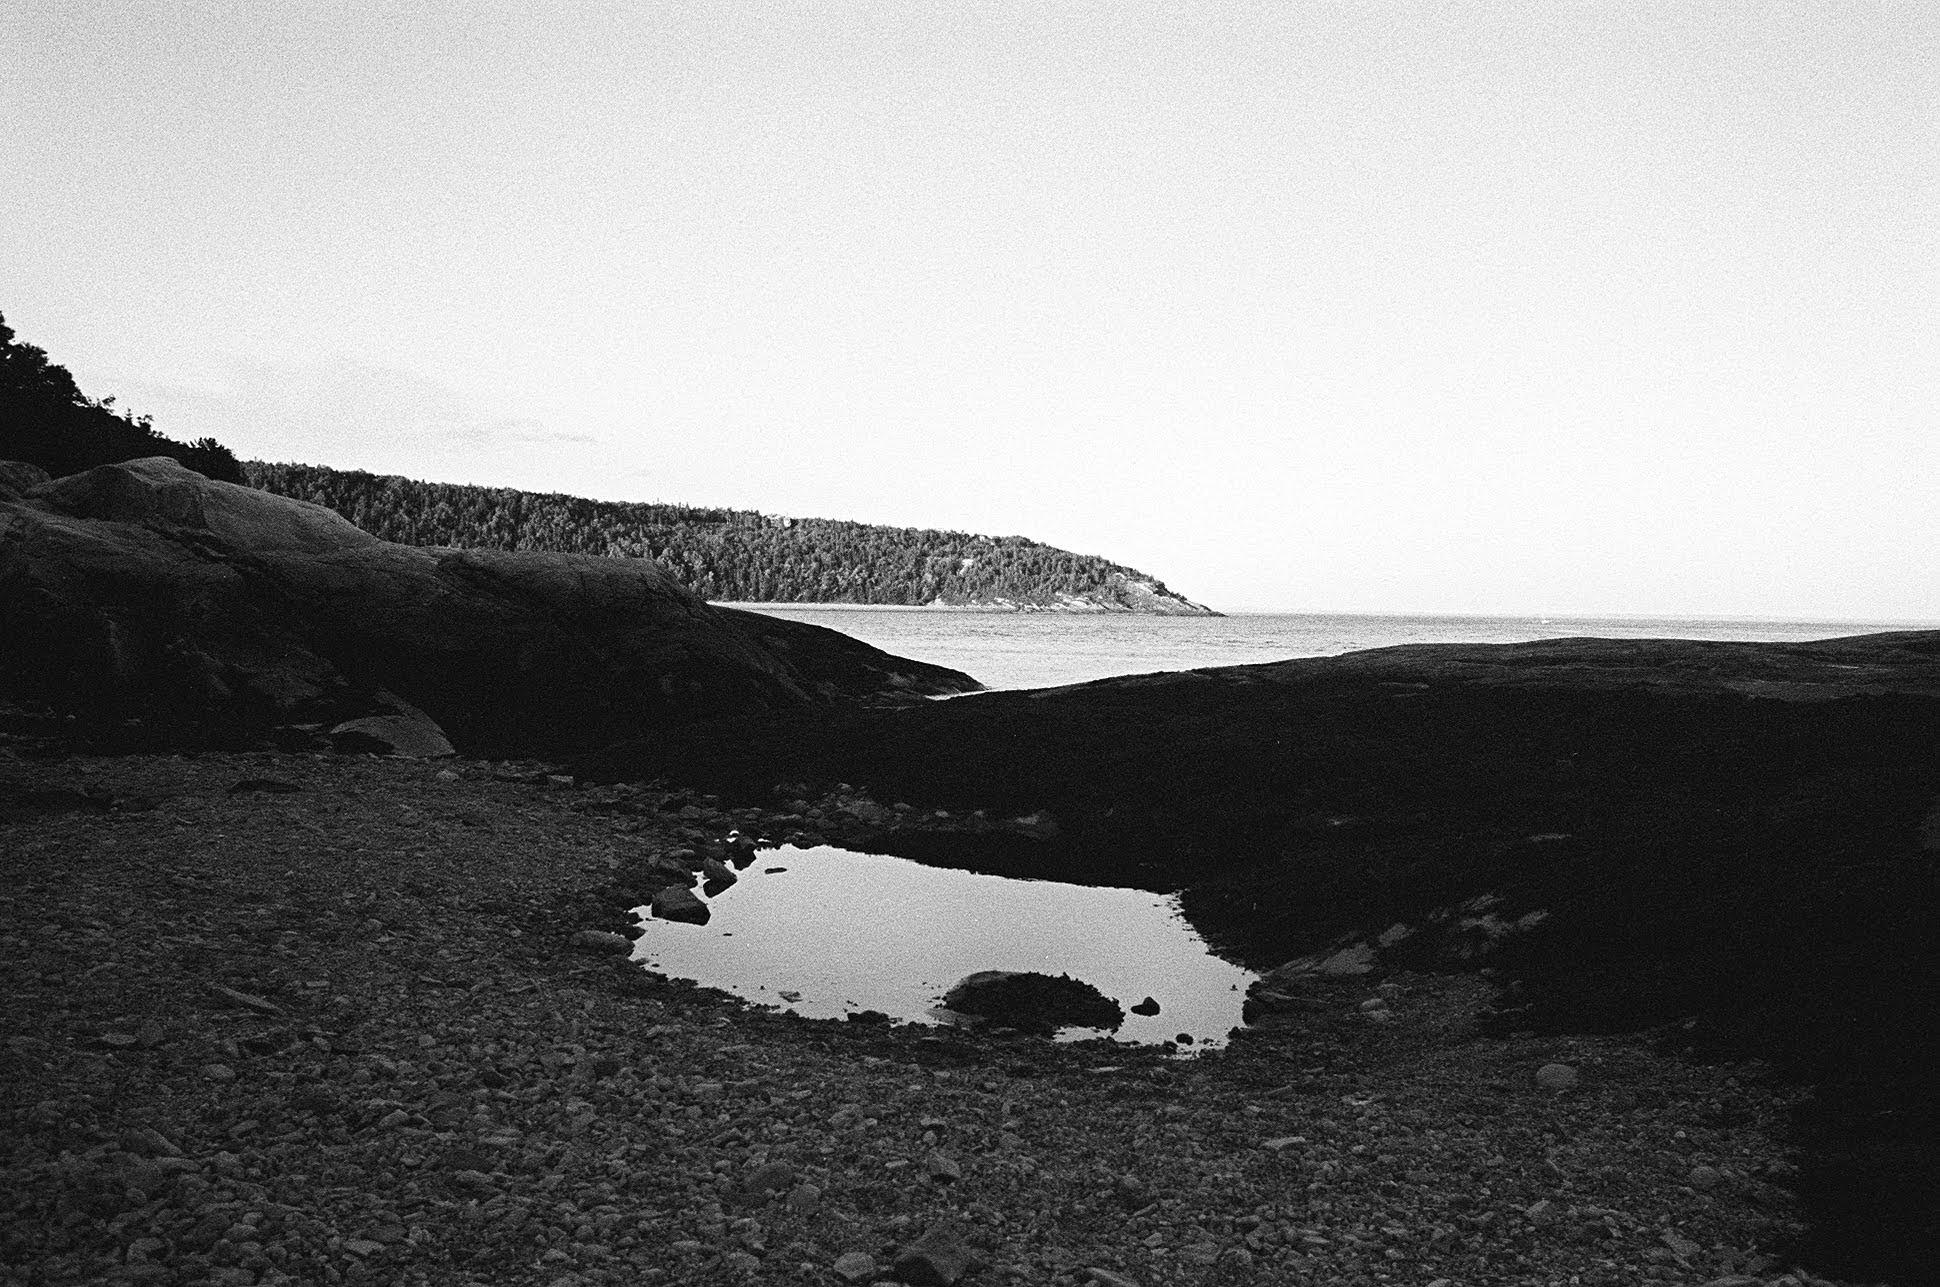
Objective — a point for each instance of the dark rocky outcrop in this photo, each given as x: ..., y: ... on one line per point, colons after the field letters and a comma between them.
x: 157, y: 607
x: 1032, y: 1002
x: 1732, y: 843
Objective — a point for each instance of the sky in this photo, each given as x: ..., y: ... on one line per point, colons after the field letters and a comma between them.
x: 1484, y: 307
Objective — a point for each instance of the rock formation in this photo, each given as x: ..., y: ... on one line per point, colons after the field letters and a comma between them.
x: 153, y: 605
x: 1734, y: 843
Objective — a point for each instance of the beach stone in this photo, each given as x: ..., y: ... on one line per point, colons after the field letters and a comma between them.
x: 716, y: 872
x: 592, y: 940
x: 855, y: 1266
x: 1556, y: 1077
x: 675, y: 903
x: 770, y: 1177
x: 936, y: 1259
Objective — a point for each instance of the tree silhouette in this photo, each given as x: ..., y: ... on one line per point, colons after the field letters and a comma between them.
x: 46, y: 420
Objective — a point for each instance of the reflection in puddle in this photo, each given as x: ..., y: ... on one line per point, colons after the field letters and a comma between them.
x: 826, y: 931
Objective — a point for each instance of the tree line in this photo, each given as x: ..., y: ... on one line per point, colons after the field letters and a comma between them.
x: 721, y: 554
x: 46, y: 420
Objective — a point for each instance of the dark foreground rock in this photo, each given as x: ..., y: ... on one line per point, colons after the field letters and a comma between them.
x: 148, y: 605
x: 1732, y: 844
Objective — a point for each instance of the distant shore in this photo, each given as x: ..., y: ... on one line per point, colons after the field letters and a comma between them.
x: 993, y: 608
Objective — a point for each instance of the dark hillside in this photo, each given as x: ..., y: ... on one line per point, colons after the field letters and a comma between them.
x: 734, y: 555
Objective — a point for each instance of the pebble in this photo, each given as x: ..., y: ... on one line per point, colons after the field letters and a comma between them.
x: 855, y: 1266
x: 1705, y: 1177
x: 1556, y: 1076
x: 936, y: 1259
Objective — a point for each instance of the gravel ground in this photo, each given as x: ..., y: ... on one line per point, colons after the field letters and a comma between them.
x: 343, y: 1032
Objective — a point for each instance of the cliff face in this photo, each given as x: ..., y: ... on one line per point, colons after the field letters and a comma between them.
x: 156, y: 604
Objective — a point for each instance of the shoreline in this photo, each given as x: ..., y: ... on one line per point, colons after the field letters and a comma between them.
x: 349, y: 1031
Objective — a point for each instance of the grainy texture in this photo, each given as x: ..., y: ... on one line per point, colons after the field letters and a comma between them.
x: 342, y: 1033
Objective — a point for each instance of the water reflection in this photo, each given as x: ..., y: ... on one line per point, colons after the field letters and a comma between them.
x: 826, y: 931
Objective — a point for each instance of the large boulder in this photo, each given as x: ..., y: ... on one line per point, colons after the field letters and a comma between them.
x: 158, y: 605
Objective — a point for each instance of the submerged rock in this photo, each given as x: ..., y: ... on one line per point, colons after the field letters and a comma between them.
x: 1032, y: 1002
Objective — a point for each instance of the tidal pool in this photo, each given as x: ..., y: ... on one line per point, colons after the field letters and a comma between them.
x: 824, y: 932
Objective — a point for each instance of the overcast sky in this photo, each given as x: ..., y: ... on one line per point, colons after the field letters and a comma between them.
x: 1471, y: 307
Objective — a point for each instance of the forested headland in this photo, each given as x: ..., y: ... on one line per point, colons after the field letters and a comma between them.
x: 734, y: 555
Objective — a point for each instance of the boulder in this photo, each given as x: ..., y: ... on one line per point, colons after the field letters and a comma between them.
x: 155, y: 604
x: 399, y: 729
x: 936, y: 1259
x: 677, y: 903
x: 1032, y: 1002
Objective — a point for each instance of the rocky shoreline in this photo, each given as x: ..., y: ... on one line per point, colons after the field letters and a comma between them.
x: 293, y: 1018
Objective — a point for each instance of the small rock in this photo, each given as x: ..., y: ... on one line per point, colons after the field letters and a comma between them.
x: 855, y: 1266
x: 942, y: 1168
x: 362, y: 1246
x: 1148, y: 1007
x: 1705, y: 1177
x: 592, y: 940
x: 768, y: 1178
x: 741, y: 1262
x: 1683, y: 1248
x: 937, y: 1259
x: 677, y: 904
x: 1556, y: 1076
x: 1106, y: 1278
x: 118, y: 1040
x: 218, y: 1072
x: 446, y: 775
x: 1543, y: 1212
x: 1372, y: 1004
x: 1285, y: 1141
x: 803, y: 1198
x: 716, y: 872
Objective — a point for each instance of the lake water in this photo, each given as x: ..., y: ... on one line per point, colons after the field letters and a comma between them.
x: 1045, y: 649
x: 838, y: 932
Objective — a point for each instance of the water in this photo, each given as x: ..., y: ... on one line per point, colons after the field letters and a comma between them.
x: 840, y: 931
x: 1044, y: 649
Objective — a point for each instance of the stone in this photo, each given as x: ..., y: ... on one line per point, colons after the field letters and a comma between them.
x: 218, y: 1072
x: 717, y: 873
x: 768, y: 1179
x: 803, y: 1198
x: 676, y: 903
x: 1683, y: 1248
x: 1146, y: 1007
x: 942, y: 1168
x: 855, y: 1267
x: 1107, y: 1278
x: 1283, y: 1142
x: 1372, y: 1004
x: 936, y: 1259
x: 1033, y: 1002
x: 1705, y: 1177
x: 400, y: 729
x: 1556, y: 1077
x: 592, y: 940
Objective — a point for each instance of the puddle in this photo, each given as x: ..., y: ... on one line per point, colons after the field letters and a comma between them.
x: 826, y: 931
